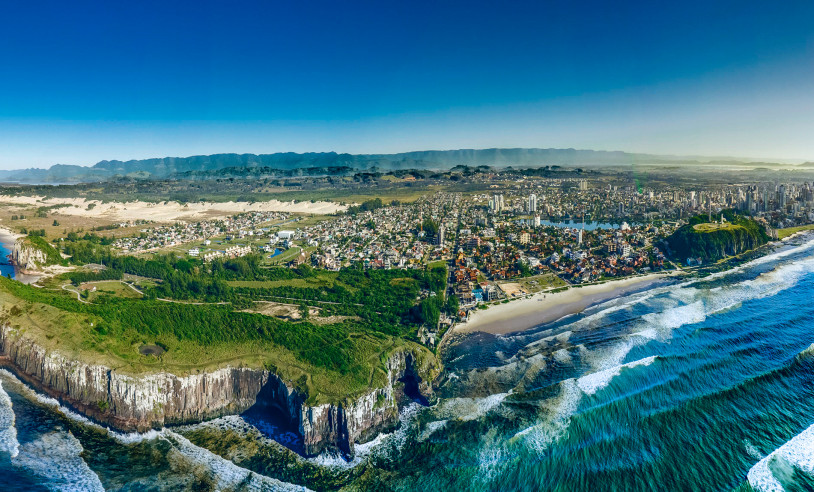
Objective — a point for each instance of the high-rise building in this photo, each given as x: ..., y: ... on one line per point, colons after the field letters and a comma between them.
x: 440, y: 235
x: 496, y: 203
x: 536, y: 221
x: 532, y: 203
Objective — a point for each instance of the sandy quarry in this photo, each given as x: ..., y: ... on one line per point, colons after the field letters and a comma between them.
x: 168, y: 211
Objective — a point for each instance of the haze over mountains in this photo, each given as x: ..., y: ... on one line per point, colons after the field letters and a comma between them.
x: 204, y: 165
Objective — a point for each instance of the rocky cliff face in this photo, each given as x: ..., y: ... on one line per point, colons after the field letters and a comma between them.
x: 27, y: 257
x: 132, y: 403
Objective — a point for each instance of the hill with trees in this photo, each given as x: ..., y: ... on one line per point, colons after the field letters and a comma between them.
x: 715, y: 240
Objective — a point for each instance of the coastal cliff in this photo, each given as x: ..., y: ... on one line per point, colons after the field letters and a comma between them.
x: 138, y: 403
x: 33, y: 253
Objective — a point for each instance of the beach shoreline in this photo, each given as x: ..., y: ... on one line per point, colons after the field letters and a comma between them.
x: 546, y: 307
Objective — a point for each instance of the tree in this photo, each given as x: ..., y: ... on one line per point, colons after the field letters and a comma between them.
x: 429, y: 311
x: 430, y: 227
x: 453, y: 305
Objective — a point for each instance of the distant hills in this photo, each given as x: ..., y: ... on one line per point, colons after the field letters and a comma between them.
x: 182, y: 167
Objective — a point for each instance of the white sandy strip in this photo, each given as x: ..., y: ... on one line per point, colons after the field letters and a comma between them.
x: 542, y: 307
x: 168, y: 211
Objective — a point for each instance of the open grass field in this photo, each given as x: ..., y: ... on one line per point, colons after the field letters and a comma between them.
x: 321, y: 279
x: 108, y: 287
x: 404, y: 194
x: 788, y: 231
x: 65, y: 223
x: 531, y: 285
x: 714, y: 226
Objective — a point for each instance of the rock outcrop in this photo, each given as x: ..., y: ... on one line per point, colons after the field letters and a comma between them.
x: 31, y: 255
x: 131, y: 403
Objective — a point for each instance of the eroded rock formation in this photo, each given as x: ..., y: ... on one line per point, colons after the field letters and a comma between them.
x: 138, y: 403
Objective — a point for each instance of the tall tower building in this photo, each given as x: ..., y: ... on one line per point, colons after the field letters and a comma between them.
x: 532, y: 203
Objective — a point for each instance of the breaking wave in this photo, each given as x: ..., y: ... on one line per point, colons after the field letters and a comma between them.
x: 55, y: 457
x: 8, y: 432
x: 769, y: 473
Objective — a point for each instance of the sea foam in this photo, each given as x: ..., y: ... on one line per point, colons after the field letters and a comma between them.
x: 798, y: 452
x: 8, y: 432
x: 591, y: 383
x: 227, y: 474
x: 55, y: 457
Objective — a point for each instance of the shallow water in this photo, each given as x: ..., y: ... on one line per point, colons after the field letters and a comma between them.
x: 6, y: 268
x: 701, y: 385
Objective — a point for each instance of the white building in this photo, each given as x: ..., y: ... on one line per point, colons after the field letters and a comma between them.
x: 532, y: 203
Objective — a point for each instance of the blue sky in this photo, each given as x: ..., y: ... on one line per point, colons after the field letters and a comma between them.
x: 86, y: 81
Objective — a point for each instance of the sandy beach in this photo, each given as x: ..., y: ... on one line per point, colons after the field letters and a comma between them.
x: 8, y: 237
x: 522, y: 314
x: 168, y: 211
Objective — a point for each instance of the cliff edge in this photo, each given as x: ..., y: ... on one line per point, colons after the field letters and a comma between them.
x: 138, y: 403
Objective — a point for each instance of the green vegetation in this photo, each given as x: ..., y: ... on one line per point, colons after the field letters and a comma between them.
x: 201, y: 314
x: 788, y: 231
x: 430, y: 227
x: 52, y: 256
x: 700, y: 239
x: 367, y: 205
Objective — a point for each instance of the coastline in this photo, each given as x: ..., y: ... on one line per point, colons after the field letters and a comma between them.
x: 546, y: 307
x: 8, y: 237
x: 7, y: 240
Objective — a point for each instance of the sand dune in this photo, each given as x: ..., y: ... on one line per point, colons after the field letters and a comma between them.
x: 168, y: 211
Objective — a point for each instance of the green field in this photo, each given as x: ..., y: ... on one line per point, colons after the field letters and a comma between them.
x: 538, y: 283
x: 320, y: 279
x: 714, y: 226
x: 108, y: 287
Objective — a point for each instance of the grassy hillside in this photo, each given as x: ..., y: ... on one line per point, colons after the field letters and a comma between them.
x: 788, y: 231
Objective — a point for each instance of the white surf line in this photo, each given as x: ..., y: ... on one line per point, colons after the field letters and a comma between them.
x: 227, y: 474
x: 591, y: 383
x: 799, y: 452
x: 55, y: 457
x: 8, y: 431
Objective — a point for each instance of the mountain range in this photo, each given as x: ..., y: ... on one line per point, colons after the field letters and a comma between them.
x: 168, y: 167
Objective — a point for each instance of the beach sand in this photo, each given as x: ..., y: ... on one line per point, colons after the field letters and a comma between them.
x: 8, y: 237
x: 522, y: 314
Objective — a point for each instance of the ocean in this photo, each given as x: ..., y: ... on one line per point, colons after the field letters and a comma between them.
x: 700, y: 384
x: 6, y: 268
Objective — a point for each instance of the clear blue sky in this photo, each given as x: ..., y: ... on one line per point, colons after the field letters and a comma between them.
x: 85, y: 81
